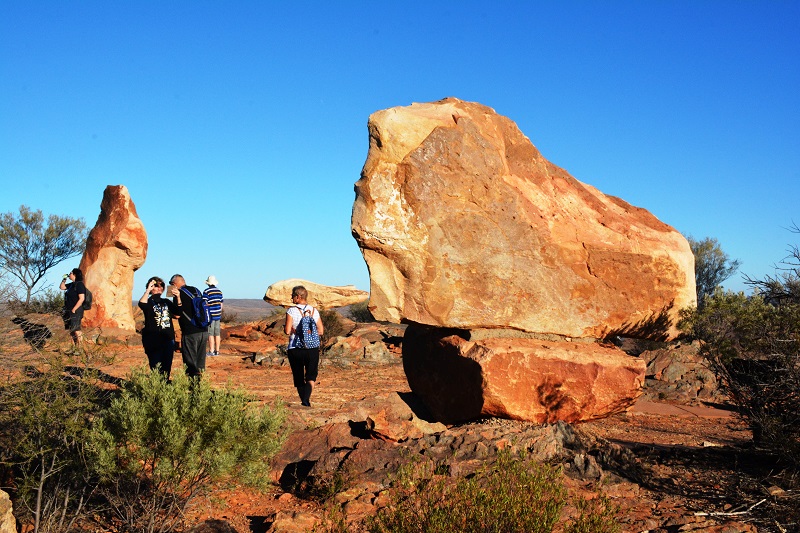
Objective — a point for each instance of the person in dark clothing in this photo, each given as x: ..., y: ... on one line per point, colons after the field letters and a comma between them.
x: 73, y: 304
x: 193, y: 339
x: 158, y: 335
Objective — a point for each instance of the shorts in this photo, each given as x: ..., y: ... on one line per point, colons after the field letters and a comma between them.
x: 213, y: 328
x: 72, y: 321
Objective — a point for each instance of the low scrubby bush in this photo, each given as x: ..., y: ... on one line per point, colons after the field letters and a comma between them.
x: 360, y: 312
x: 753, y: 347
x: 332, y: 322
x: 161, y: 443
x: 44, y: 425
x: 513, y: 495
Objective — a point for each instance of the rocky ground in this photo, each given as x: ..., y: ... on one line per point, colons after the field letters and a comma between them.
x: 676, y: 462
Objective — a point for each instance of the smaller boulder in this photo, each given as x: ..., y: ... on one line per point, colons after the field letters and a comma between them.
x: 323, y: 296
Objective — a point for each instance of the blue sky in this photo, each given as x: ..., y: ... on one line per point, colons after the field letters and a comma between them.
x: 258, y: 110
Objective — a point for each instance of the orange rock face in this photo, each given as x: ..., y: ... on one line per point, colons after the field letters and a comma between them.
x: 116, y: 248
x: 464, y: 224
x: 518, y: 378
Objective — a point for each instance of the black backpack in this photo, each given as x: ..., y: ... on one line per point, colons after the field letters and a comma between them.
x: 87, y: 299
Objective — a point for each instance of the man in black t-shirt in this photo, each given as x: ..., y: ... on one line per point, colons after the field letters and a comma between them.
x: 193, y: 339
x: 73, y: 304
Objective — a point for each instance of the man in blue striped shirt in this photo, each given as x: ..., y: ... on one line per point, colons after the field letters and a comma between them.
x: 214, y: 297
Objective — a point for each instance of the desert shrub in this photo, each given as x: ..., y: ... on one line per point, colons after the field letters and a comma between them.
x: 753, y: 347
x: 45, y: 302
x: 229, y: 317
x: 360, y: 312
x: 515, y: 494
x: 597, y: 515
x: 44, y: 421
x: 332, y: 323
x: 160, y: 443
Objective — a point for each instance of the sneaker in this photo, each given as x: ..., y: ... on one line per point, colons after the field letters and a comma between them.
x: 216, y: 352
x: 209, y: 354
x: 305, y: 404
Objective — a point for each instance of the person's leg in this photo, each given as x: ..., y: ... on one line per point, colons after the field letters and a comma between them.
x: 164, y: 357
x: 312, y: 369
x: 193, y: 349
x: 298, y: 368
x: 213, y: 338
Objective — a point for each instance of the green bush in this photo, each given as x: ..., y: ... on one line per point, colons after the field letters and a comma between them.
x: 161, y: 443
x: 44, y: 421
x: 597, y: 515
x: 515, y: 494
x: 753, y: 347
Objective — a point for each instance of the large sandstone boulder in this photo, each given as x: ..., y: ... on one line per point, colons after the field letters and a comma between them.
x: 116, y: 248
x: 323, y: 296
x: 464, y: 375
x: 464, y: 224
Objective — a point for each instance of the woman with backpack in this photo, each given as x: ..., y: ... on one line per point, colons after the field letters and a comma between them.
x: 73, y: 304
x: 304, y: 327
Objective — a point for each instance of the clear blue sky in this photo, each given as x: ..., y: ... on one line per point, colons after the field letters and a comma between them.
x: 258, y: 111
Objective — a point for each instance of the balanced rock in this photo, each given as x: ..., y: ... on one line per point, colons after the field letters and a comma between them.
x: 116, y: 248
x: 323, y: 296
x: 464, y: 224
x: 462, y: 378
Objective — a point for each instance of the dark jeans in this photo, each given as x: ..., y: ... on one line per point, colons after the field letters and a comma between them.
x: 193, y: 349
x: 305, y: 365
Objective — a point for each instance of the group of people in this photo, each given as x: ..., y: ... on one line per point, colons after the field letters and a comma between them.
x: 197, y: 343
x: 158, y: 334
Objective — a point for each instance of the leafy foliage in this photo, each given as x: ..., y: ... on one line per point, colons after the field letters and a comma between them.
x: 753, y: 347
x: 44, y: 423
x: 515, y: 494
x: 712, y: 266
x: 160, y: 443
x: 29, y: 246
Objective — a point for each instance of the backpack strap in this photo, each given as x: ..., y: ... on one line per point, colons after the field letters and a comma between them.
x: 304, y: 309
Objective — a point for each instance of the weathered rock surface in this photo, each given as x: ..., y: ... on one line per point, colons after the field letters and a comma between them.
x: 324, y: 296
x: 680, y: 374
x: 116, y: 248
x: 518, y: 378
x: 464, y: 224
x: 8, y: 524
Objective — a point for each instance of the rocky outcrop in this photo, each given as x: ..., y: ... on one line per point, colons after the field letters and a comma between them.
x: 518, y: 378
x: 116, y: 248
x: 8, y: 524
x: 501, y: 261
x: 323, y: 296
x: 464, y: 224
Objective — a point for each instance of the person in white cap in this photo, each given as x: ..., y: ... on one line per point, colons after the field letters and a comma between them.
x: 214, y: 297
